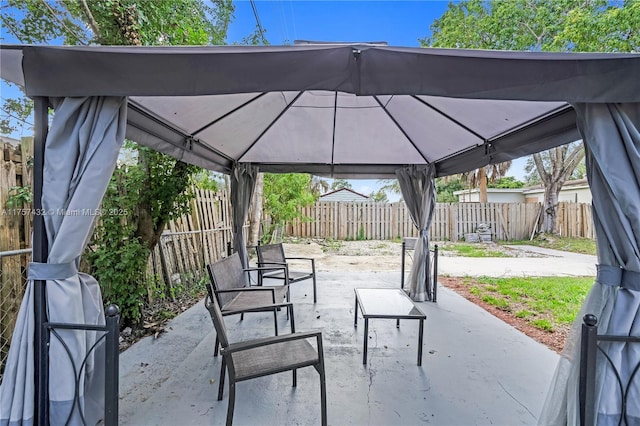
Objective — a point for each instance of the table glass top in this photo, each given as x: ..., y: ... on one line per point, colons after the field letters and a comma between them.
x: 387, y: 302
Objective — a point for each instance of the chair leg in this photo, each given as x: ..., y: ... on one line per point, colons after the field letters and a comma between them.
x: 323, y: 397
x: 295, y: 378
x: 221, y: 384
x: 241, y: 316
x: 232, y: 403
x: 215, y: 346
x: 315, y: 298
x: 275, y: 321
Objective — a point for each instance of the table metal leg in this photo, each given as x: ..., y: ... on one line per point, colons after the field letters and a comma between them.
x: 366, y: 336
x: 355, y: 319
x: 421, y: 329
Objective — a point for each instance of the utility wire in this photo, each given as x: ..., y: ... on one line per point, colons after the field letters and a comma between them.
x: 260, y: 29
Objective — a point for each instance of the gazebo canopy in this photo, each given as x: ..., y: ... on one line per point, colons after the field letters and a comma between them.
x: 339, y: 110
x: 336, y: 110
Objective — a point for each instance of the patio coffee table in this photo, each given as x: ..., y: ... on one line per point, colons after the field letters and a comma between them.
x: 387, y: 303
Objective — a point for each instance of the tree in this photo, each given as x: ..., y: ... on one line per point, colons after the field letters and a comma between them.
x: 379, y: 196
x: 536, y: 25
x: 446, y: 186
x: 340, y: 184
x: 507, y: 182
x: 284, y: 195
x: 157, y: 184
x: 484, y: 175
x: 532, y: 177
x: 318, y: 186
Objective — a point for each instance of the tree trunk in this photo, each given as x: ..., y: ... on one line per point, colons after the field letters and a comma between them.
x: 255, y: 214
x: 550, y: 207
x: 482, y: 177
x: 145, y: 217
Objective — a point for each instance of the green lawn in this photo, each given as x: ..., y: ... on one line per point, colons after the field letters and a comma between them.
x: 575, y: 245
x: 546, y: 302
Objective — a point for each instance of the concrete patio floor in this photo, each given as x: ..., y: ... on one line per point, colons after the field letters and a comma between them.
x: 476, y: 370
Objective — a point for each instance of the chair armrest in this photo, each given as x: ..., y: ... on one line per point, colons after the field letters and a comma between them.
x: 281, y: 264
x: 313, y: 261
x: 287, y: 305
x: 236, y: 290
x: 266, y: 268
x: 265, y: 341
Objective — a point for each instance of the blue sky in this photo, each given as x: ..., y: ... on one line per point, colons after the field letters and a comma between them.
x: 399, y: 23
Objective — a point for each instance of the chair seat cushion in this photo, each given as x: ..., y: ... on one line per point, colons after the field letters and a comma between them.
x: 273, y: 358
x: 293, y: 275
x: 253, y: 299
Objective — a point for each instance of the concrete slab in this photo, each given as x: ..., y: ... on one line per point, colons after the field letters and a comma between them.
x: 476, y: 370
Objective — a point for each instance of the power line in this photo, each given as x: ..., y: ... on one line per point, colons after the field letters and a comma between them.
x: 260, y: 29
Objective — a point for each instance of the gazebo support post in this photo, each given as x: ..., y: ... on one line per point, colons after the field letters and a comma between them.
x: 40, y: 254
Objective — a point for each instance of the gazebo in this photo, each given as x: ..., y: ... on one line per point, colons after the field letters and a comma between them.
x: 338, y: 110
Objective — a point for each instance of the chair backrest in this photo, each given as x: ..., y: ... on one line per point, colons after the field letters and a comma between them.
x: 226, y: 274
x: 270, y: 253
x: 409, y: 243
x: 218, y: 323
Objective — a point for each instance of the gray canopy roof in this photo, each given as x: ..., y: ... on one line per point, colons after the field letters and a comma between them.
x: 339, y: 110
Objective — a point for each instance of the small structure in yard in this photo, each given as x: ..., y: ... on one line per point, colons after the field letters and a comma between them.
x: 344, y: 195
x: 481, y: 235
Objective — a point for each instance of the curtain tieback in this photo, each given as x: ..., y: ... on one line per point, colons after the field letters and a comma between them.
x: 615, y: 276
x: 424, y: 233
x: 52, y: 271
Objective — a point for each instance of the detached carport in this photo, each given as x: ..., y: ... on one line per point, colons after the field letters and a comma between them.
x: 336, y: 110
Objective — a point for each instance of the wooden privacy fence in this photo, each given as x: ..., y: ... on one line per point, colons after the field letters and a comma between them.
x: 575, y: 220
x: 451, y: 221
x: 194, y: 240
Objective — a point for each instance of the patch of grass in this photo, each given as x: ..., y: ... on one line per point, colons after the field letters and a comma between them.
x: 547, y: 302
x: 542, y: 324
x: 523, y: 313
x: 498, y: 302
x: 474, y: 290
x: 474, y: 250
x: 331, y: 244
x: 574, y: 245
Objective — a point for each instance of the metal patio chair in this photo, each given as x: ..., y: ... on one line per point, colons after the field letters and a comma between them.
x: 230, y: 286
x: 273, y: 254
x: 255, y: 358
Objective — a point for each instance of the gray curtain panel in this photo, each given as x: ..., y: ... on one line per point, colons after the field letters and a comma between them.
x: 611, y: 134
x: 419, y: 193
x: 243, y: 183
x: 80, y: 155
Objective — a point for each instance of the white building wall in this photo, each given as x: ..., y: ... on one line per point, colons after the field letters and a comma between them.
x: 581, y: 194
x: 494, y: 195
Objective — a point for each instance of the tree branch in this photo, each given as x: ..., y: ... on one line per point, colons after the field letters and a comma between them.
x: 12, y: 29
x: 544, y: 176
x: 573, y: 160
x: 92, y: 22
x: 61, y: 22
